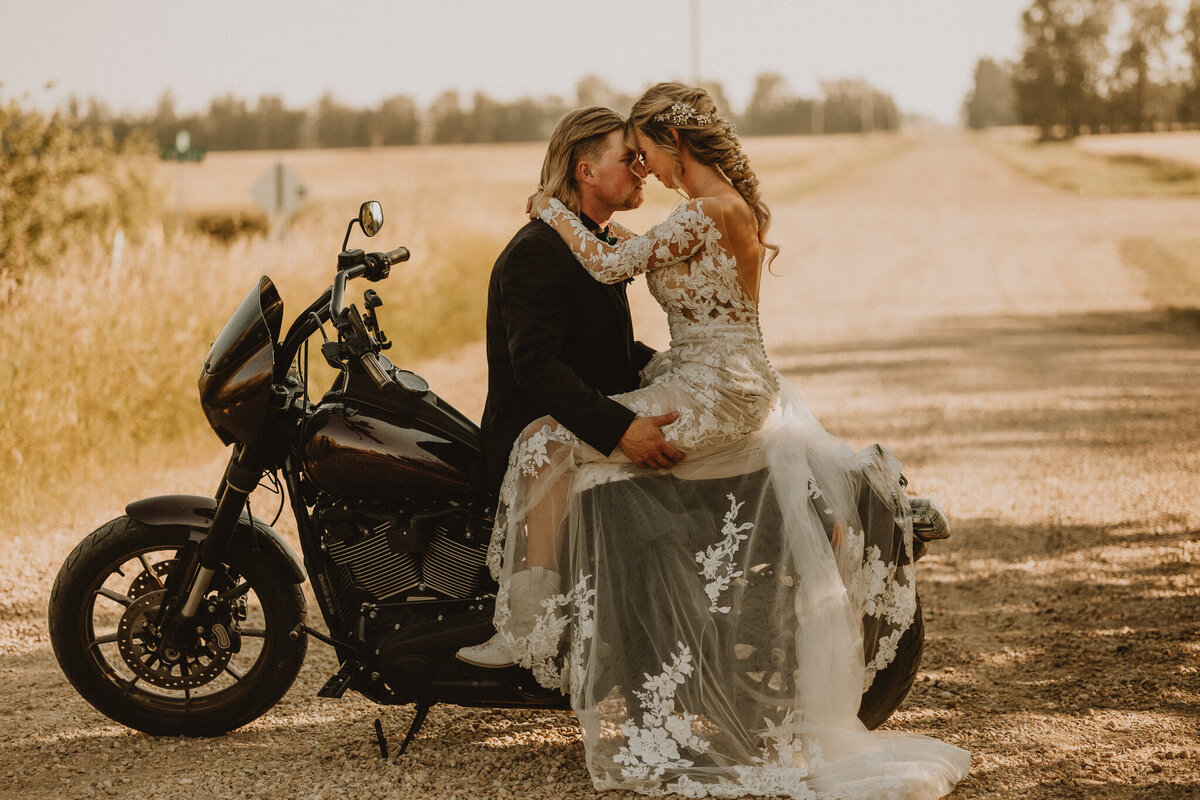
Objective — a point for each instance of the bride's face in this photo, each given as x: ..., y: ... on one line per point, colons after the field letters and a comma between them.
x: 657, y: 161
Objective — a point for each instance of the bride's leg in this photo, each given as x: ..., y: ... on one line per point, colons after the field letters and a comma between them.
x: 545, y: 521
x: 534, y: 575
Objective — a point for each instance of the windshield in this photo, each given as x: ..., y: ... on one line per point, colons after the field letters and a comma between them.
x: 235, y: 384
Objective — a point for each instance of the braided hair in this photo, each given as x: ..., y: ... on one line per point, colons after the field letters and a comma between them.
x: 708, y: 136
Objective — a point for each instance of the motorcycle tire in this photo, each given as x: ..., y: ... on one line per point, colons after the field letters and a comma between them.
x: 102, y: 613
x: 892, y: 683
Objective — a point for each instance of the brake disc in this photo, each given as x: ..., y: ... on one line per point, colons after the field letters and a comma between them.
x: 149, y: 581
x: 140, y: 644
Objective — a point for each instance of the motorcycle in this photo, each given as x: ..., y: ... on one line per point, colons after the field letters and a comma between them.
x: 185, y: 615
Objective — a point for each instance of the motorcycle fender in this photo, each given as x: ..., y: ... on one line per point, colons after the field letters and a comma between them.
x: 196, y: 512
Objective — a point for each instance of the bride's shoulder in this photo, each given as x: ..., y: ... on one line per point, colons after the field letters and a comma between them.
x: 727, y: 212
x: 729, y: 205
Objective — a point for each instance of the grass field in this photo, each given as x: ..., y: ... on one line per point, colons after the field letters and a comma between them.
x: 1105, y: 165
x: 1147, y: 165
x: 1181, y: 146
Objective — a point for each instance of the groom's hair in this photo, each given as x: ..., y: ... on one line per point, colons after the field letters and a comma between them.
x: 579, y: 136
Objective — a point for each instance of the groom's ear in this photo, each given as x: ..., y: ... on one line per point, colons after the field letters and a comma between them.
x: 584, y: 172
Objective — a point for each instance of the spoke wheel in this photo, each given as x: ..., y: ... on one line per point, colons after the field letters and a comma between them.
x: 238, y: 658
x: 765, y: 651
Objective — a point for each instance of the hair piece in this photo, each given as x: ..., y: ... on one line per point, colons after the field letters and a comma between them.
x: 708, y: 136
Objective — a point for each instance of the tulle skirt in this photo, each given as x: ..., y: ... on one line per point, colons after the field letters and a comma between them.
x: 717, y: 624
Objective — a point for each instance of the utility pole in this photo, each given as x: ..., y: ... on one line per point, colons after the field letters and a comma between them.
x: 695, y: 7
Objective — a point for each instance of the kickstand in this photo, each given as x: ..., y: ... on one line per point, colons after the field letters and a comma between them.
x: 418, y: 721
x: 380, y: 738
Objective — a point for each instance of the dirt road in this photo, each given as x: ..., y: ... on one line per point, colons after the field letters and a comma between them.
x: 984, y: 328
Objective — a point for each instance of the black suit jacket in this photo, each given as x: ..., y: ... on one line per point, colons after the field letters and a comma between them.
x: 558, y: 343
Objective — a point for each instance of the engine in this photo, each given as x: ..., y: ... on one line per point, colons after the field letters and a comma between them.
x: 425, y: 553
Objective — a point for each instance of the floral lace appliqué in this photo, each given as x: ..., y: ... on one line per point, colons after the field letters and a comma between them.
x: 716, y: 562
x: 654, y: 745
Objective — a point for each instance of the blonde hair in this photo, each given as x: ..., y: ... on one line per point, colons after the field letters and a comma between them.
x: 579, y: 136
x: 707, y: 135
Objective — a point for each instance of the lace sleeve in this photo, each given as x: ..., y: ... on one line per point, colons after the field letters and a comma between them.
x: 687, y: 231
x: 620, y: 231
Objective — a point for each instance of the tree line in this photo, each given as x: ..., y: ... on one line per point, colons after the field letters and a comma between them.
x: 232, y: 123
x: 1093, y: 66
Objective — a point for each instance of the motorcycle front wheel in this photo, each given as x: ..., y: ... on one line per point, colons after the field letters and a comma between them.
x: 103, y: 615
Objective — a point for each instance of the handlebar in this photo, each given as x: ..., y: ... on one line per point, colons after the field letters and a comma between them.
x: 331, y: 305
x: 368, y: 359
x: 374, y: 369
x: 337, y: 297
x: 375, y: 266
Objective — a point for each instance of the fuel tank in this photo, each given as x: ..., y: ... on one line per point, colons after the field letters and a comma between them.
x: 415, y: 446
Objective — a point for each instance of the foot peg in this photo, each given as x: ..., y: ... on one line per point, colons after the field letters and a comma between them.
x: 338, y: 683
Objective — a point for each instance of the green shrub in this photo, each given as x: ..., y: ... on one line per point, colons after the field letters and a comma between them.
x: 62, y: 184
x: 225, y: 226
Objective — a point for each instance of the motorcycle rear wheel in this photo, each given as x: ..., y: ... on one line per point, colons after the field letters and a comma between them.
x: 102, y: 614
x: 893, y: 682
x: 767, y: 663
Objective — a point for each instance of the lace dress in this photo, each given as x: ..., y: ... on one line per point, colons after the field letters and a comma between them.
x: 714, y: 632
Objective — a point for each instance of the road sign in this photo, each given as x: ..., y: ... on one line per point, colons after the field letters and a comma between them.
x: 183, y: 150
x: 279, y: 192
x: 190, y: 154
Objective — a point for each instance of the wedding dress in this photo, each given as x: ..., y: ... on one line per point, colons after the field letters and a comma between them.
x: 717, y: 623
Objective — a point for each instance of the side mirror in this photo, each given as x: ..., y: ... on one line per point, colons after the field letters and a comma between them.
x: 370, y: 219
x: 370, y: 216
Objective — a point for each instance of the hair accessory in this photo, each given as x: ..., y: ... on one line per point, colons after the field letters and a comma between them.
x: 682, y: 113
x: 740, y: 162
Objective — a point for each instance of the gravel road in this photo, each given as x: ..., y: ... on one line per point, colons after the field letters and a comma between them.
x: 982, y: 326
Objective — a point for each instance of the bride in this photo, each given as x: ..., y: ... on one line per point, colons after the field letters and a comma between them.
x: 716, y: 622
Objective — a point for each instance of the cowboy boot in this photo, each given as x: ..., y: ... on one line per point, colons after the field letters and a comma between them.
x: 527, y: 590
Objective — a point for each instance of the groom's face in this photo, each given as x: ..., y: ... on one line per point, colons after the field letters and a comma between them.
x: 617, y: 175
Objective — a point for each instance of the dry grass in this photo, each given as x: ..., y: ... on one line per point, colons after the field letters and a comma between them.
x: 1171, y: 266
x: 1170, y: 145
x: 98, y: 370
x: 100, y: 362
x: 1088, y: 172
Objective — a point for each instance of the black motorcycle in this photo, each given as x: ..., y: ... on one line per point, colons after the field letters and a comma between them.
x: 185, y: 616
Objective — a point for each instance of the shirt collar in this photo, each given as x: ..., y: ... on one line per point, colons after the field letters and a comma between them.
x: 600, y: 233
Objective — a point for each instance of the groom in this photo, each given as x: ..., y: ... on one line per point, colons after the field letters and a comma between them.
x: 558, y: 341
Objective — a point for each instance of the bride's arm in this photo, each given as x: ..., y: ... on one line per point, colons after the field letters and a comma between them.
x: 620, y: 231
x: 676, y: 239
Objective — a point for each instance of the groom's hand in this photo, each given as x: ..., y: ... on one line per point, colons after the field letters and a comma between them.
x: 644, y: 445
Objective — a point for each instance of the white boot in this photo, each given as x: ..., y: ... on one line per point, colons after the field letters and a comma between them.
x: 527, y: 590
x: 493, y: 653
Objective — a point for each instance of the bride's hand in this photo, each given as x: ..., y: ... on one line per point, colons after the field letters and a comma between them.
x: 536, y: 202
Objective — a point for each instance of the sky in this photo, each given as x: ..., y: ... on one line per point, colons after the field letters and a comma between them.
x: 127, y: 53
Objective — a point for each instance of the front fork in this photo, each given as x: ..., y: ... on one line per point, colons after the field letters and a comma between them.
x: 189, y: 582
